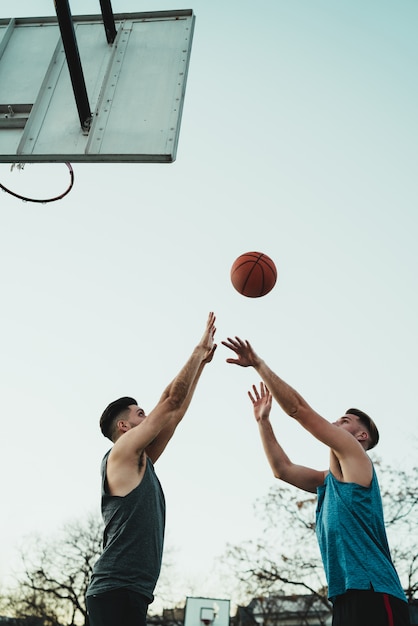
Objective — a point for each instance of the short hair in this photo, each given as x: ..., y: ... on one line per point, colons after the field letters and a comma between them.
x: 368, y: 423
x: 111, y: 412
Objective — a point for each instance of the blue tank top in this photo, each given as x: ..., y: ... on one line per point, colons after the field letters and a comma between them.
x: 352, y: 539
x: 133, y: 537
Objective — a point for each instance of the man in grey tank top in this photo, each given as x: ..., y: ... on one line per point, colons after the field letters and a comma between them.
x: 363, y: 584
x: 133, y: 506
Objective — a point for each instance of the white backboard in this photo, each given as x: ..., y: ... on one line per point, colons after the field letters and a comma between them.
x: 135, y: 88
x: 203, y: 611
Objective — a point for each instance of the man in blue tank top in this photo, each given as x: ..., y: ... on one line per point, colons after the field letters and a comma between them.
x: 362, y: 582
x: 133, y: 506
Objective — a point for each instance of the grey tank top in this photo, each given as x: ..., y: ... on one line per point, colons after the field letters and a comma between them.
x: 133, y: 537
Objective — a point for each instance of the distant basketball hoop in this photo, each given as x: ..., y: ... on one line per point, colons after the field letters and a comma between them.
x: 207, y: 612
x: 207, y: 615
x: 54, y: 198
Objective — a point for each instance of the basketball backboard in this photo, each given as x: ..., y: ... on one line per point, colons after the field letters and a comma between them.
x: 135, y: 86
x: 206, y: 612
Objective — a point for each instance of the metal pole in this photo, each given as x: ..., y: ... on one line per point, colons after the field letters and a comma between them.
x: 69, y: 41
x: 108, y: 20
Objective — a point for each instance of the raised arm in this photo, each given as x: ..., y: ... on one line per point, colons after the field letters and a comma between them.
x: 353, y: 461
x: 158, y: 445
x: 122, y: 467
x: 302, y: 477
x: 290, y: 401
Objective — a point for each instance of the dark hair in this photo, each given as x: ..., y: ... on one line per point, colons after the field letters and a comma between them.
x: 368, y: 423
x: 111, y: 412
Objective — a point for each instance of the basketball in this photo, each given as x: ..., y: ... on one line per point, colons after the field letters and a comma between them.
x: 253, y: 274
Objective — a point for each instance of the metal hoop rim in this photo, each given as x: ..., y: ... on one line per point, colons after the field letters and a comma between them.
x: 45, y: 200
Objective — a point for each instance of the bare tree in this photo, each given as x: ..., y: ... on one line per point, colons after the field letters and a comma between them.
x: 51, y: 589
x: 56, y: 571
x: 56, y: 574
x: 287, y: 559
x: 400, y: 499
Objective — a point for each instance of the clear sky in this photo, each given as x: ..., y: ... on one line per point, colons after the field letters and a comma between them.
x: 299, y: 139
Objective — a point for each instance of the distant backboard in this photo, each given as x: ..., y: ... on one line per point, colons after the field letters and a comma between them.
x: 206, y: 612
x: 135, y: 87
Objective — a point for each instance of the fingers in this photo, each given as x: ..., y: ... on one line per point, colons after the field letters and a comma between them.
x: 209, y: 334
x: 257, y: 395
x: 264, y: 390
x: 239, y: 347
x: 210, y: 323
x: 263, y: 394
x: 254, y: 398
x: 235, y: 343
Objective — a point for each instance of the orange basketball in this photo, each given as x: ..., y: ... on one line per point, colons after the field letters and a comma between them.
x: 253, y: 274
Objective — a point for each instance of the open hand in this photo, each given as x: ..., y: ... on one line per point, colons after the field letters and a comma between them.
x: 261, y: 402
x: 243, y: 349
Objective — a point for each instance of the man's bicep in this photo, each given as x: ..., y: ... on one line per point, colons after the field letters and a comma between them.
x: 327, y: 433
x: 304, y: 478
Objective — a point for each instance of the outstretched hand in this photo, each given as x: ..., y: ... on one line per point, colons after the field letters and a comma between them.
x: 243, y: 349
x: 207, y: 340
x: 262, y: 402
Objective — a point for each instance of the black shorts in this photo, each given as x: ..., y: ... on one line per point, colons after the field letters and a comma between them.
x: 369, y: 608
x: 119, y: 607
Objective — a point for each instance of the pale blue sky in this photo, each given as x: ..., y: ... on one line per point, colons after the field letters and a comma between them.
x: 299, y: 139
